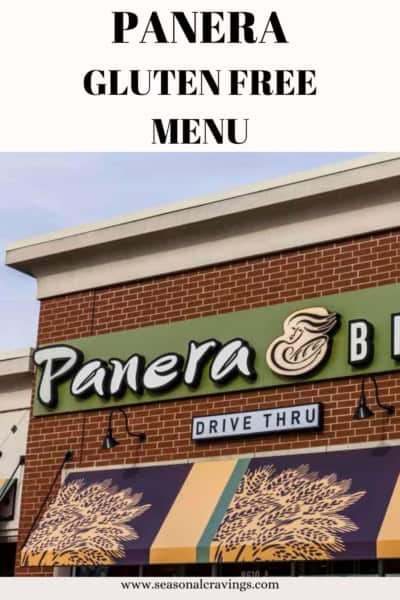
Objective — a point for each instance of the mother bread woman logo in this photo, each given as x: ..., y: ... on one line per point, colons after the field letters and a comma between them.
x: 305, y: 343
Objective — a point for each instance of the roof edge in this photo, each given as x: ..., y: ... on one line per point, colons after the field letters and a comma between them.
x: 16, y: 362
x: 352, y: 198
x: 269, y: 184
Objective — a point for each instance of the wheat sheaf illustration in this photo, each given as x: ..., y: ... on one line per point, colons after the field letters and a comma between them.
x: 293, y: 515
x: 84, y: 526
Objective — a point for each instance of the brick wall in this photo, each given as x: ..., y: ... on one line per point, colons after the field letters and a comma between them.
x: 293, y: 275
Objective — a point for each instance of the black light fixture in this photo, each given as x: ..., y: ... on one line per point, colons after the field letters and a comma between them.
x: 109, y: 440
x: 363, y: 411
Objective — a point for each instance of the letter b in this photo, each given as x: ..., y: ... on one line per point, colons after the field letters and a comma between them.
x: 361, y: 343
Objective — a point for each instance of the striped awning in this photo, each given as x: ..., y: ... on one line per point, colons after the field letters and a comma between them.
x: 316, y: 506
x: 2, y: 485
x: 5, y: 487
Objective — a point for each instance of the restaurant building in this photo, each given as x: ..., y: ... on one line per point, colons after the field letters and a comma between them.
x: 15, y: 403
x: 217, y: 384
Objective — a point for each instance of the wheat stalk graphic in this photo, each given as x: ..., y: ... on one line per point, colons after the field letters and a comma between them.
x: 294, y: 515
x: 84, y: 526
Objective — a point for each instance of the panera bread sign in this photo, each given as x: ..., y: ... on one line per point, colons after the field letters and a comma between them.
x: 329, y: 337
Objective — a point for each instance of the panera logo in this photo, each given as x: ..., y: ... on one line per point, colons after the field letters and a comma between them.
x: 305, y: 343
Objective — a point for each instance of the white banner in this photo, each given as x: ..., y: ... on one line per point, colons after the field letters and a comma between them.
x: 256, y: 422
x: 106, y: 75
x: 312, y: 588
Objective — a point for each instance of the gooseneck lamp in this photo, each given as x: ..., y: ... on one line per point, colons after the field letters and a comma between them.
x: 363, y: 411
x: 109, y: 440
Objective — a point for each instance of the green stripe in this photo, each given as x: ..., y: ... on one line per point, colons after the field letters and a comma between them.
x: 203, y: 548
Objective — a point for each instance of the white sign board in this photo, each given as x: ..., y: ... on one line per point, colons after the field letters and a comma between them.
x: 273, y: 420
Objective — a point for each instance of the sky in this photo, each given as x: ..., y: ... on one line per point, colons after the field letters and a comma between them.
x: 46, y: 192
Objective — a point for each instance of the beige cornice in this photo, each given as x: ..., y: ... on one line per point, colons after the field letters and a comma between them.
x: 331, y: 203
x: 16, y: 362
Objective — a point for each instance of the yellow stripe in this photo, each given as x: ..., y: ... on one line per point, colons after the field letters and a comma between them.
x: 183, y: 527
x: 388, y: 541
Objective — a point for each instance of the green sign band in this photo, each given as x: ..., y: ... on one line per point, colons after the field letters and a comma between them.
x: 243, y: 350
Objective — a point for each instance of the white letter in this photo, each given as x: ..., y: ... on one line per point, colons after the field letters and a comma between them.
x: 361, y: 349
x: 53, y: 371
x: 396, y: 336
x: 90, y: 375
x: 162, y: 373
x: 125, y: 372
x: 233, y: 358
x: 198, y: 354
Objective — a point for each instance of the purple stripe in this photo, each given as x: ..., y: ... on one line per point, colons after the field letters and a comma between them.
x: 159, y: 485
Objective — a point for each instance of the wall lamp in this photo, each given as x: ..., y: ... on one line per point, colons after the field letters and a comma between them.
x: 109, y: 441
x: 363, y: 411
